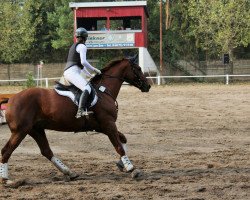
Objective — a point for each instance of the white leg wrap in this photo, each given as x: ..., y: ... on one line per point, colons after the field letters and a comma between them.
x: 59, y: 165
x: 125, y: 148
x: 127, y: 164
x: 4, y: 171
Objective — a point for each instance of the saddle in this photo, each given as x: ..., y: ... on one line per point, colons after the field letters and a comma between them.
x: 74, y: 93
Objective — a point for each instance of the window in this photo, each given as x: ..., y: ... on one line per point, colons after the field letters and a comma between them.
x: 125, y: 23
x: 91, y: 24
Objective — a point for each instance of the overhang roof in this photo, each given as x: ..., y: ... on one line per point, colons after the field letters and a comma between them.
x: 108, y: 4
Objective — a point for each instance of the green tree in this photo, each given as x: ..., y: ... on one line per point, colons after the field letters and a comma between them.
x: 37, y: 12
x: 63, y: 20
x: 16, y: 32
x: 30, y: 82
x: 220, y: 26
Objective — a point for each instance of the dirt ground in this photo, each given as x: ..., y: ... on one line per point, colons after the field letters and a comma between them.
x: 191, y: 141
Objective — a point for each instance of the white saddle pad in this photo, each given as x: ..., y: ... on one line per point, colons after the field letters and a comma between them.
x: 72, y: 96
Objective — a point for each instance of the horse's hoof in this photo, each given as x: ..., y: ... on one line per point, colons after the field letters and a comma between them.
x: 120, y: 165
x: 6, y: 181
x: 73, y: 175
x: 12, y: 184
x: 136, y: 173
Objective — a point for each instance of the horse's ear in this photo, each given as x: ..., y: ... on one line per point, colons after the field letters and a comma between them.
x: 134, y: 59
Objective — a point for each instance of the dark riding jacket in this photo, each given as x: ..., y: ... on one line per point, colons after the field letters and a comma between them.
x: 73, y: 58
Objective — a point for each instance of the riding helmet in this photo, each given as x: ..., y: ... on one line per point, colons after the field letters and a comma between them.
x: 81, y: 32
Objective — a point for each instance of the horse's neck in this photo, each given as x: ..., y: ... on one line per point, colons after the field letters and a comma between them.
x: 113, y: 84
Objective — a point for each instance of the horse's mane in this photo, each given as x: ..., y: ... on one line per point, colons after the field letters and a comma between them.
x: 106, y: 68
x: 111, y: 64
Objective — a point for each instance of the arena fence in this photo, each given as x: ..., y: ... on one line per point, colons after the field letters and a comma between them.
x: 159, y: 80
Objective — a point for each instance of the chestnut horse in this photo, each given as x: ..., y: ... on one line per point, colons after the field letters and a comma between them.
x: 33, y: 110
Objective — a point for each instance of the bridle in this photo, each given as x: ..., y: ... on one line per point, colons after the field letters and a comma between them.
x: 138, y: 82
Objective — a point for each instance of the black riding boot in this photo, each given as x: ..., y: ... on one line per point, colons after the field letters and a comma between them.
x: 82, y: 103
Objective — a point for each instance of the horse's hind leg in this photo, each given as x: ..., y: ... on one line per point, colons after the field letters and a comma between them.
x: 6, y: 152
x: 40, y: 137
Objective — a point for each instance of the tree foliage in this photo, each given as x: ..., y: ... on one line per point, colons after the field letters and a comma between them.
x: 62, y: 20
x: 37, y: 12
x: 31, y: 31
x: 219, y: 26
x: 16, y: 32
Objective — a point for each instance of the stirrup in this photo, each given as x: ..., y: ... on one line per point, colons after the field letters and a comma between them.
x: 86, y: 112
x: 79, y: 113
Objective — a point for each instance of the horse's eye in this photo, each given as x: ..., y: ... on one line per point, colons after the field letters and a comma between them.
x: 139, y: 69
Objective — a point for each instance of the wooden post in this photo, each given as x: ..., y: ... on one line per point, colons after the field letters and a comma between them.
x: 167, y: 15
x: 8, y: 70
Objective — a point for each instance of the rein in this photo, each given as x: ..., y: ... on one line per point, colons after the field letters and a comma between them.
x: 109, y: 76
x: 137, y: 82
x: 106, y: 91
x: 99, y: 87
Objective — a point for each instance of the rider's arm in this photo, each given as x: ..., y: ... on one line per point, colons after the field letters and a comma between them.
x: 82, y: 49
x: 87, y: 72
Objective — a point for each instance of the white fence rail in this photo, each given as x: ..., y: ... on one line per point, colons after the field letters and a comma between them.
x: 227, y: 77
x: 39, y: 81
x: 158, y: 78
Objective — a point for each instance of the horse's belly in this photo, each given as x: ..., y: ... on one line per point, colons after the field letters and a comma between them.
x: 77, y: 125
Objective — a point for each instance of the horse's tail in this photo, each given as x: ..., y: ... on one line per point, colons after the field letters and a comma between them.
x: 2, y: 117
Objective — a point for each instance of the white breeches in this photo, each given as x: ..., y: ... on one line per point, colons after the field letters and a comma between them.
x: 73, y: 75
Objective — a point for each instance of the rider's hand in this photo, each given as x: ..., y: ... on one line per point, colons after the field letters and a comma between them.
x: 98, y: 71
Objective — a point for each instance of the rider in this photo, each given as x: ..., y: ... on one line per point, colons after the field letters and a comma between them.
x: 77, y: 63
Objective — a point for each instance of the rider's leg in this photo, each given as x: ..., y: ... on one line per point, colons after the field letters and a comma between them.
x: 73, y: 75
x: 82, y: 103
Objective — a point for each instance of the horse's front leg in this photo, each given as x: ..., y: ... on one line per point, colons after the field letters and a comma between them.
x: 119, y: 142
x: 123, y: 140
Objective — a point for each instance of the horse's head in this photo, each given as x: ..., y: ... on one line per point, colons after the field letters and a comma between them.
x: 125, y: 70
x: 135, y: 76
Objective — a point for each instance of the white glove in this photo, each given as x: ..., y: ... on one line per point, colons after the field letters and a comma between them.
x: 98, y: 71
